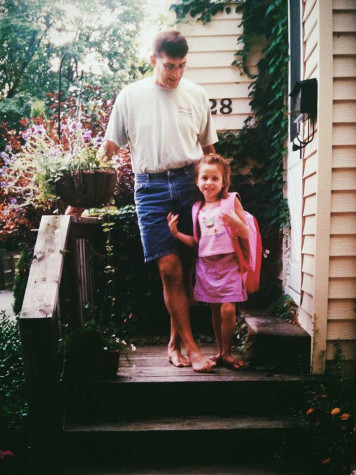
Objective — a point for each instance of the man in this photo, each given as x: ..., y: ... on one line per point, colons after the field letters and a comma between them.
x: 167, y: 122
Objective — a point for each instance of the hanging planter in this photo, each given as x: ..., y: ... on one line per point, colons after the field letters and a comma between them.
x: 87, y: 188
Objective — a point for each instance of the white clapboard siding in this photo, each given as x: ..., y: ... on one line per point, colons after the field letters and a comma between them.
x: 344, y: 156
x: 344, y: 89
x: 344, y: 43
x: 308, y: 283
x: 342, y: 288
x: 344, y: 179
x: 309, y: 225
x: 310, y: 22
x: 221, y: 27
x: 200, y: 44
x: 344, y: 4
x: 308, y: 265
x: 342, y: 270
x: 342, y: 329
x: 312, y: 64
x: 308, y: 245
x: 344, y: 134
x: 343, y: 266
x: 344, y: 66
x: 344, y: 22
x: 342, y: 246
x: 343, y: 223
x: 341, y: 309
x: 310, y: 165
x: 309, y: 205
x: 218, y: 75
x: 311, y: 43
x: 237, y: 90
x: 308, y: 8
x: 344, y: 111
x: 305, y: 320
x: 343, y: 201
x: 310, y: 184
x: 308, y: 303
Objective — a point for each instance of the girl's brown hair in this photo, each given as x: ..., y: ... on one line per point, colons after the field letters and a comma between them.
x: 224, y: 164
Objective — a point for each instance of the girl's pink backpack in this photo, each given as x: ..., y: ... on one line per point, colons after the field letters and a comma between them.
x: 249, y: 251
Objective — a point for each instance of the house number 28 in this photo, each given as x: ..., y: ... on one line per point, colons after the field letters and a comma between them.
x: 225, y: 106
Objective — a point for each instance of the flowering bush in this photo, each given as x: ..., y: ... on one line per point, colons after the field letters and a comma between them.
x: 329, y: 416
x: 29, y: 175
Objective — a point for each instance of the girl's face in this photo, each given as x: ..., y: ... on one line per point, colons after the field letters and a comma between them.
x: 210, y: 181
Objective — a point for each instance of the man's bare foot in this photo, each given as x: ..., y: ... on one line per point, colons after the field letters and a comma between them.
x: 177, y: 359
x: 200, y: 363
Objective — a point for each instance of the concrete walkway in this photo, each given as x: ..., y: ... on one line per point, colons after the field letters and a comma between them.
x: 6, y: 301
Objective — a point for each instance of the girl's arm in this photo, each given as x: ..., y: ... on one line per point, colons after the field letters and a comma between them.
x: 236, y: 220
x: 184, y: 238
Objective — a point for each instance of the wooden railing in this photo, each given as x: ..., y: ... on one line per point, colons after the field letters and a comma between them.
x: 60, y: 284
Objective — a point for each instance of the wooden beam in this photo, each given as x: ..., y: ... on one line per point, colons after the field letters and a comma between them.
x: 324, y: 173
x: 43, y: 283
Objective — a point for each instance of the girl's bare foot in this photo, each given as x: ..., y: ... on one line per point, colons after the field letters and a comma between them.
x: 216, y: 359
x: 232, y: 363
x: 177, y: 359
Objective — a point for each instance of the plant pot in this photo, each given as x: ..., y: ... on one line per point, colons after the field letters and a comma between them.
x: 109, y: 364
x: 87, y: 188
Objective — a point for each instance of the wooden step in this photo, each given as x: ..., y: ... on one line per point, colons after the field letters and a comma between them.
x: 278, y: 345
x: 293, y: 468
x: 149, y: 386
x: 197, y: 439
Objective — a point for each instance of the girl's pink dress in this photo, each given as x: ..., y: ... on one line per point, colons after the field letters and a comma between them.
x: 218, y: 278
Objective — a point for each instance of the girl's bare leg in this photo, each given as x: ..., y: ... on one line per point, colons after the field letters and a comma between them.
x: 216, y: 321
x: 228, y: 323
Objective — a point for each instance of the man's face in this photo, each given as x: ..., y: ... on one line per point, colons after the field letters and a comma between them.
x: 169, y: 71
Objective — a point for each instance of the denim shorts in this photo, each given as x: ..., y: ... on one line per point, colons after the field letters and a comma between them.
x: 157, y: 194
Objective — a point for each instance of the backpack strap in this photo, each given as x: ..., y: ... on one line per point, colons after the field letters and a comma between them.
x: 241, y: 246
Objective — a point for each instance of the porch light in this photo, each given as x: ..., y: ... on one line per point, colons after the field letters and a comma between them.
x: 304, y: 111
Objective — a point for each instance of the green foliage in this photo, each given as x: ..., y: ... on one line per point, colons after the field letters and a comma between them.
x: 21, y: 278
x: 285, y: 308
x: 202, y: 10
x: 14, y: 429
x: 137, y: 286
x: 35, y: 34
x: 329, y: 417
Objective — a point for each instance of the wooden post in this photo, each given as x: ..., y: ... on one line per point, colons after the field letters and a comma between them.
x: 39, y: 335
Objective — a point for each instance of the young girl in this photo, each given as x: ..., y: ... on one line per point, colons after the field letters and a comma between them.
x: 219, y: 278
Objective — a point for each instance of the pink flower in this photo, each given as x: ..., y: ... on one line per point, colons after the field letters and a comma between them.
x: 4, y: 453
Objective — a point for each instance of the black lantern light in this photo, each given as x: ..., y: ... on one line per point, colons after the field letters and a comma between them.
x: 304, y: 109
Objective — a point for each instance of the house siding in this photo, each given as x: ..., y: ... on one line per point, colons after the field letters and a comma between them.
x: 329, y: 182
x: 211, y: 52
x: 342, y: 277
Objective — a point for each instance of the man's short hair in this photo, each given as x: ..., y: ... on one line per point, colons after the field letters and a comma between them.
x: 172, y: 42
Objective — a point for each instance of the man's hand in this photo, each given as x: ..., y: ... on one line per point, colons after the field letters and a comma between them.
x: 173, y: 223
x: 230, y: 219
x: 74, y: 211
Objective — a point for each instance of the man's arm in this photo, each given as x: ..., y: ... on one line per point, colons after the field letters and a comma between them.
x: 208, y: 149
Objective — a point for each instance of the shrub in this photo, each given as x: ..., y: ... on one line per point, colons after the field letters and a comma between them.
x: 14, y: 429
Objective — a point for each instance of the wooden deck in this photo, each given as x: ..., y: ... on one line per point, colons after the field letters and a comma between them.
x: 150, y: 364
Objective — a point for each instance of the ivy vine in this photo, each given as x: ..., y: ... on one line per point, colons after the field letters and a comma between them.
x: 261, y: 143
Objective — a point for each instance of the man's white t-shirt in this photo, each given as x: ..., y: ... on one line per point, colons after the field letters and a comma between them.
x: 165, y: 128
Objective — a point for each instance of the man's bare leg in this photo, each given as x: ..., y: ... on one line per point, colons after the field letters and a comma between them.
x: 174, y: 348
x: 176, y: 300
